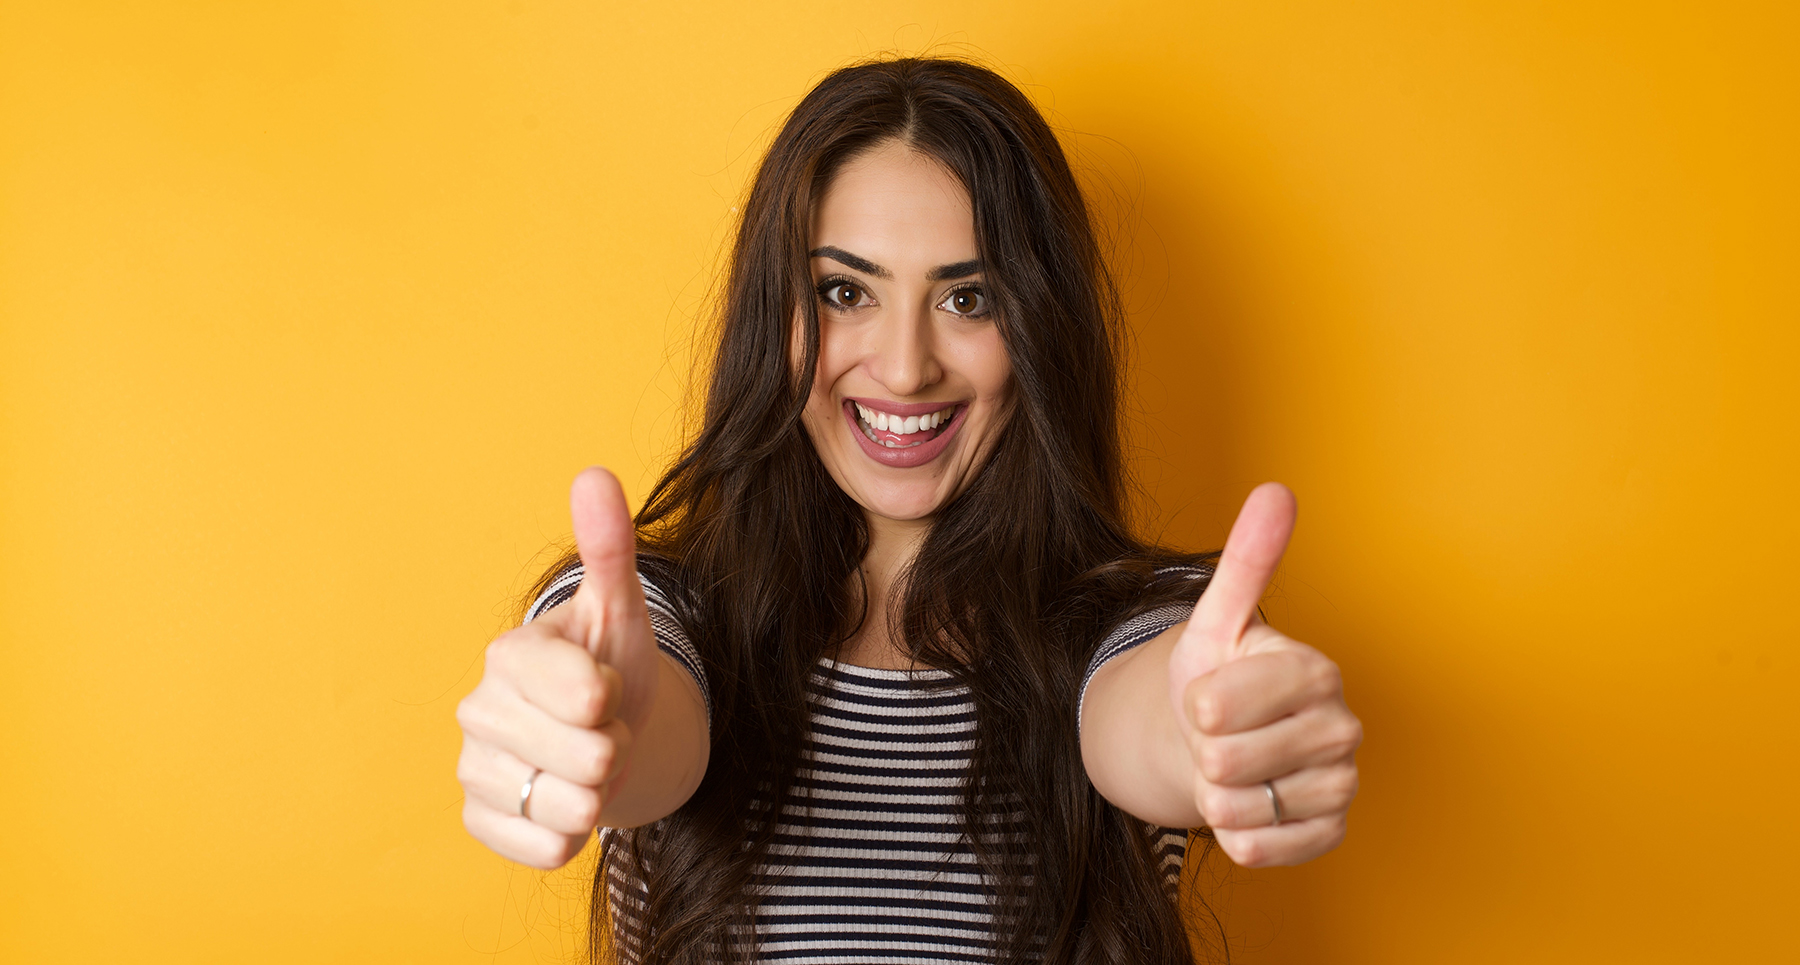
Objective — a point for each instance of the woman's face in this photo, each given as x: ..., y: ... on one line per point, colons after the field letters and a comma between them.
x: 913, y: 382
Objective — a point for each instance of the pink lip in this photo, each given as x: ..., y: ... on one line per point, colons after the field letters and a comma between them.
x: 913, y: 456
x: 904, y: 409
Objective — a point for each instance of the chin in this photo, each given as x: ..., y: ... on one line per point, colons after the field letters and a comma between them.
x: 900, y: 503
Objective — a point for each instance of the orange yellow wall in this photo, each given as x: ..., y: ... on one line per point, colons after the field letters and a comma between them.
x: 310, y: 310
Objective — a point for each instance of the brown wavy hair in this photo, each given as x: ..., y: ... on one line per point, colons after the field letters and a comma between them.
x: 1017, y: 582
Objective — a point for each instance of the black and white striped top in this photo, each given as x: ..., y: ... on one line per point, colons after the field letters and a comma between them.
x: 878, y: 870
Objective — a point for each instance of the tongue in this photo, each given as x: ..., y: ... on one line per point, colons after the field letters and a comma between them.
x: 902, y: 439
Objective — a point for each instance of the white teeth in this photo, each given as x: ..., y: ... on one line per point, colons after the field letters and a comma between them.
x: 875, y: 419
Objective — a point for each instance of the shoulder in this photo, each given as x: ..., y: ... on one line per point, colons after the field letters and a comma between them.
x: 658, y: 589
x: 1165, y: 599
x: 1165, y: 591
x: 672, y: 637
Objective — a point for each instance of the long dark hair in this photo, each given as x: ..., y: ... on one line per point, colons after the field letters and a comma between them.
x: 1016, y: 583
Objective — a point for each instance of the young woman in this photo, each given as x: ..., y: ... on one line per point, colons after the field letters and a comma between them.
x: 880, y: 673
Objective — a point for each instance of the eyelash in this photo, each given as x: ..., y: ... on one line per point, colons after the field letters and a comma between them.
x: 840, y: 281
x: 977, y: 289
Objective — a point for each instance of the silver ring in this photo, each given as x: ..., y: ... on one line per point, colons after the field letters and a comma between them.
x: 1274, y: 802
x: 525, y: 794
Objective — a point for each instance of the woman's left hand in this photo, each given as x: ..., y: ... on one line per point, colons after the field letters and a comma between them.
x: 1263, y: 715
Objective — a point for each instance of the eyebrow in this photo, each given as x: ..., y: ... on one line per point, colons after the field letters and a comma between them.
x: 950, y: 272
x: 954, y: 270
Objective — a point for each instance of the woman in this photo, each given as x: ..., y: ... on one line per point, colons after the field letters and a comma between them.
x: 880, y: 672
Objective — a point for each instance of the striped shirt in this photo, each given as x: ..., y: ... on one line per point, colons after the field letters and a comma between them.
x: 877, y: 871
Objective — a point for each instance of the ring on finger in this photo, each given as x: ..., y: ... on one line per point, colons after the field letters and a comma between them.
x: 525, y: 794
x: 1274, y: 801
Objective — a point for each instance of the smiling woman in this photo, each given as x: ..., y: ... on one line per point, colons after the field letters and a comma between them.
x: 880, y: 673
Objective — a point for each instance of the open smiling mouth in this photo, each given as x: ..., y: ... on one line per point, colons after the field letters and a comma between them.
x: 903, y: 432
x: 914, y: 437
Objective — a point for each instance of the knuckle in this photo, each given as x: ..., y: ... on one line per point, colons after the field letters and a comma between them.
x: 502, y: 653
x: 1348, y: 736
x: 545, y: 854
x: 1216, y: 807
x: 588, y: 698
x: 1209, y: 711
x: 622, y: 741
x: 479, y: 821
x: 473, y: 716
x: 1335, y: 832
x: 592, y: 760
x: 561, y: 850
x: 1246, y: 850
x: 1217, y: 762
x: 612, y: 685
x: 512, y: 650
x: 585, y: 809
x: 1326, y: 678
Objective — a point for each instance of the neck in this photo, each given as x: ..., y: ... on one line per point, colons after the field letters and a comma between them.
x: 893, y: 544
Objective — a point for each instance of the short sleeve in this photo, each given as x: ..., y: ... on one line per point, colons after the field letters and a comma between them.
x: 1137, y: 631
x: 670, y: 637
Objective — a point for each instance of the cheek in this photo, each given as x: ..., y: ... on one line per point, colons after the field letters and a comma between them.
x: 837, y: 355
x: 820, y: 414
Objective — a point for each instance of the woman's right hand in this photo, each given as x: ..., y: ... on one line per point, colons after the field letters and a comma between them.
x: 564, y: 695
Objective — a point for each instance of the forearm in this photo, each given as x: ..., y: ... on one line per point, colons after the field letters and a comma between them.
x: 1131, y: 743
x: 668, y: 755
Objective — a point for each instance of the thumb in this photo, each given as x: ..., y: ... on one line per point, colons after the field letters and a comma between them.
x: 1228, y: 605
x: 607, y: 542
x: 609, y: 615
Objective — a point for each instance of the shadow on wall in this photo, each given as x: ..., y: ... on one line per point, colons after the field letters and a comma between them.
x: 1179, y: 265
x: 1174, y: 262
x: 1216, y: 306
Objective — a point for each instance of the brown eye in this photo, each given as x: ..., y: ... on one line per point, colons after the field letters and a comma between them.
x: 842, y: 294
x: 966, y: 301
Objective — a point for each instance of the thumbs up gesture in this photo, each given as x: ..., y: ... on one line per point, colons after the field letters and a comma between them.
x: 548, y: 733
x: 1264, y: 718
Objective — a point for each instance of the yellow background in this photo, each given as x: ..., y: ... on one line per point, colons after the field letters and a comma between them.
x: 309, y: 311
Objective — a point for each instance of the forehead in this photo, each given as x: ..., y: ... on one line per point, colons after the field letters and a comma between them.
x: 897, y: 207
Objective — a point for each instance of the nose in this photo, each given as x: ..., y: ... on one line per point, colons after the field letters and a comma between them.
x: 904, y: 357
